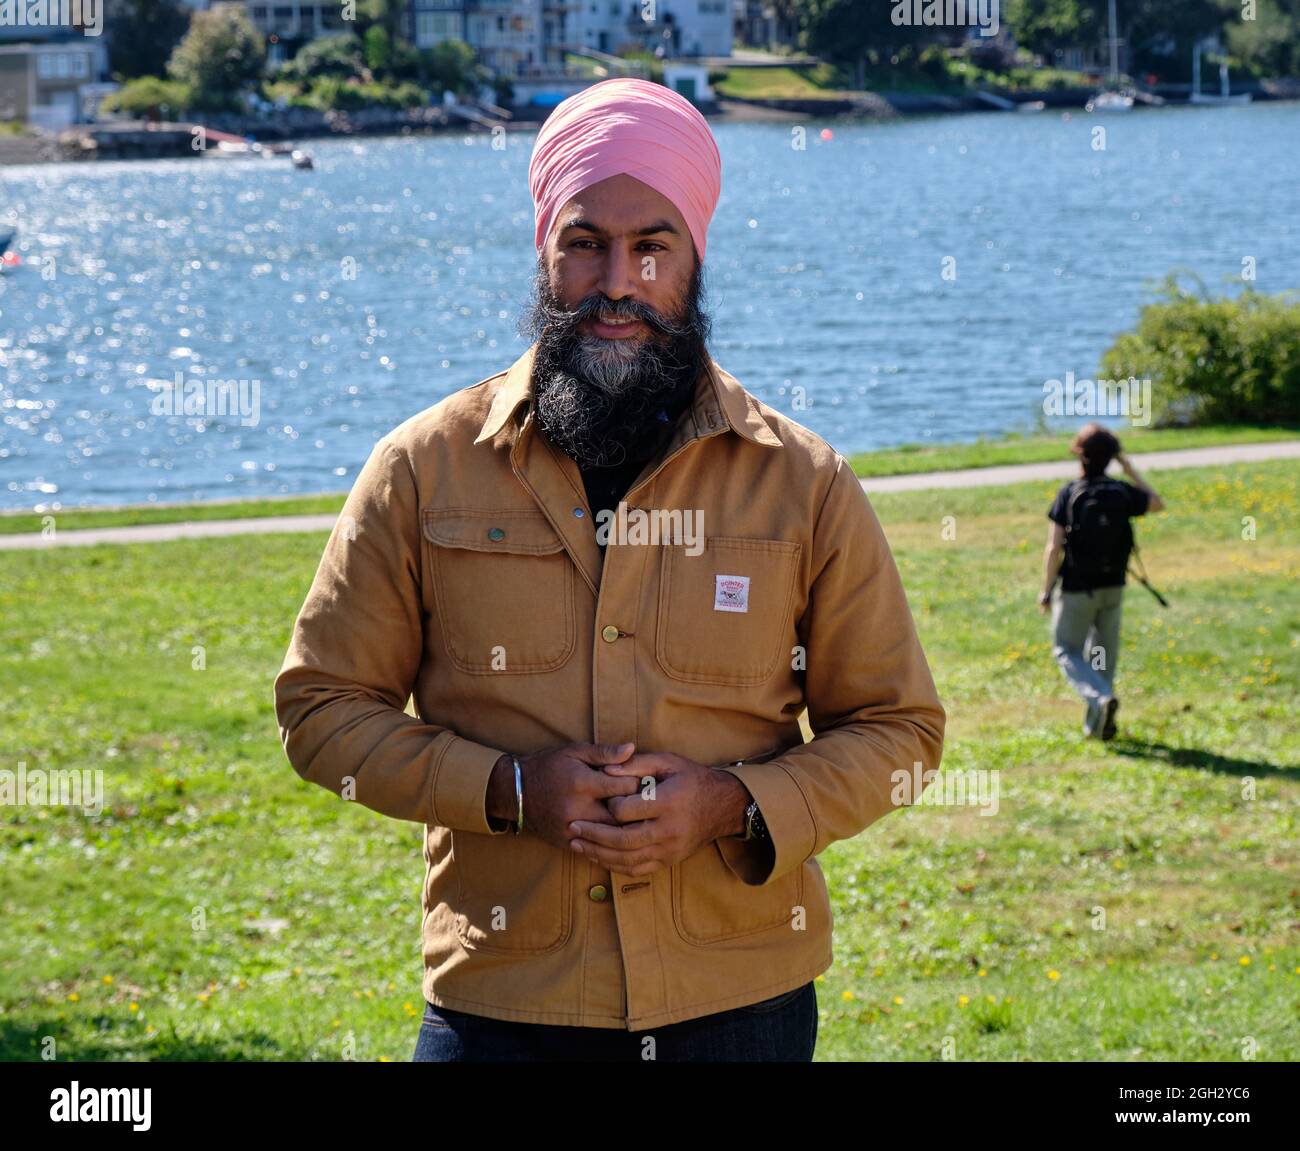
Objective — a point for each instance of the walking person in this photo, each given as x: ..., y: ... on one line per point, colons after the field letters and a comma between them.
x: 1088, y: 546
x: 621, y: 814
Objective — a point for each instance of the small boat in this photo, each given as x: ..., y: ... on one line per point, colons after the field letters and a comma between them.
x: 6, y: 238
x: 1031, y: 106
x: 1111, y: 99
x: 1110, y: 102
x: 302, y: 160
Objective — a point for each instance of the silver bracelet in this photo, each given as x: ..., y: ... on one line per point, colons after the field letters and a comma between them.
x: 519, y: 796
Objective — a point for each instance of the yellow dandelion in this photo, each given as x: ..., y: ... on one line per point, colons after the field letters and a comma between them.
x: 384, y: 1059
x: 847, y: 995
x: 1053, y: 975
x: 73, y: 997
x: 203, y: 996
x: 898, y: 1001
x: 1244, y: 961
x: 297, y: 970
x: 983, y: 972
x: 108, y: 979
x: 135, y: 1007
x: 962, y: 1000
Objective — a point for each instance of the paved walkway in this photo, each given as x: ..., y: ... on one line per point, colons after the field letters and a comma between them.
x: 968, y: 478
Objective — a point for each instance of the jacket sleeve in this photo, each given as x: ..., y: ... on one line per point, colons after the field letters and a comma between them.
x: 872, y: 703
x: 356, y: 649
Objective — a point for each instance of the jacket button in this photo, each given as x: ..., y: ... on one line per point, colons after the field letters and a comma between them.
x: 496, y: 534
x: 598, y: 893
x: 609, y: 633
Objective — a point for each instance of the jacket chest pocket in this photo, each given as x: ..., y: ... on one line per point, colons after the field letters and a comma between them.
x: 503, y: 586
x: 725, y: 614
x: 513, y: 893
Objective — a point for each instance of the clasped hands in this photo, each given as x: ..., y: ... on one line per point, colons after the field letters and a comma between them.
x: 633, y: 813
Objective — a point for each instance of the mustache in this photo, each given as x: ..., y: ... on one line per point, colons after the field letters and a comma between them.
x: 598, y: 304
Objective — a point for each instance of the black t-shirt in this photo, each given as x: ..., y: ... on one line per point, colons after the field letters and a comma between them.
x: 1138, y: 501
x: 606, y: 486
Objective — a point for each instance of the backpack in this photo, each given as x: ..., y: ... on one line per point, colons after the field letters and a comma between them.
x: 1098, y: 534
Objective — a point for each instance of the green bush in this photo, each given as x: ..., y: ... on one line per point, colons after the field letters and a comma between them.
x: 329, y: 93
x: 341, y: 55
x: 1215, y: 361
x: 148, y: 97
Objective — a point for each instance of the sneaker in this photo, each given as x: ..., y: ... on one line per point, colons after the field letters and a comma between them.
x: 1111, y: 706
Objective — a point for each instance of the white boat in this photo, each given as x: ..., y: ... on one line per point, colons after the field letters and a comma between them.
x: 1110, y: 102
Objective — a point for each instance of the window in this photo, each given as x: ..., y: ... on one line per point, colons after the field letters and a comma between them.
x: 45, y: 66
x: 80, y: 67
x: 62, y: 68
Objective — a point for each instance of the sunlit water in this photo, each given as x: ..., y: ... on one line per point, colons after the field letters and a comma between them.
x: 825, y: 281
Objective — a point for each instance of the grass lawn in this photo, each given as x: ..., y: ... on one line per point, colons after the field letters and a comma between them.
x: 1038, y: 449
x: 220, y: 908
x: 1010, y: 449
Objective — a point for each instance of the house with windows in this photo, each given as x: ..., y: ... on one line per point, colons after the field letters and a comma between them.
x: 528, y: 38
x: 48, y: 75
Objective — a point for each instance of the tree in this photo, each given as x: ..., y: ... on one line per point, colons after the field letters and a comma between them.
x: 221, y: 56
x: 144, y: 33
x: 853, y: 33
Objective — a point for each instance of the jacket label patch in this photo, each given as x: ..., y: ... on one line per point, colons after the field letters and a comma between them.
x: 731, y: 593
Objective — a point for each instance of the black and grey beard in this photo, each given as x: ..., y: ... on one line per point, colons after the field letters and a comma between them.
x: 599, y: 400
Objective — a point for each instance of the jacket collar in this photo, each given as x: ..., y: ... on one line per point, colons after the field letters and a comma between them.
x: 720, y: 402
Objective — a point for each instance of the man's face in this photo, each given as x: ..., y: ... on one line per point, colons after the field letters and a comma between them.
x: 617, y: 319
x: 622, y: 240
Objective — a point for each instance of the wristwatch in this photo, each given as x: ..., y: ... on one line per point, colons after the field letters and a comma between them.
x: 755, y: 828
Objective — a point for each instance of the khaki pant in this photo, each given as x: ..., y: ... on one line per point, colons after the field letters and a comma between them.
x: 1085, y: 642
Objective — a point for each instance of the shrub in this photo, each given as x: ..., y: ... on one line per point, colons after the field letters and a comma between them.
x: 1215, y: 361
x: 148, y: 98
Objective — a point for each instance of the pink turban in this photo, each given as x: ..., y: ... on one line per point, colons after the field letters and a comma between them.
x: 630, y: 126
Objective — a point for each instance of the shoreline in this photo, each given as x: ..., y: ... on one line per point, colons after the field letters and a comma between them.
x: 898, y: 468
x: 135, y: 140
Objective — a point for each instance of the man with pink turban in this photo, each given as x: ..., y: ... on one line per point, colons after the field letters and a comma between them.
x: 611, y: 580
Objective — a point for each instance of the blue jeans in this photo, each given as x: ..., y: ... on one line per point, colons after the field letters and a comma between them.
x: 781, y: 1029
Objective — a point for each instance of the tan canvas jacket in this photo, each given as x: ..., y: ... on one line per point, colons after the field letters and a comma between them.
x: 467, y: 541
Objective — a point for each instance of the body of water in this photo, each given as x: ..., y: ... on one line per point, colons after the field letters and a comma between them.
x: 353, y: 296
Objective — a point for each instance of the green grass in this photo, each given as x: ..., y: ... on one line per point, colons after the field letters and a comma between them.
x: 1034, y: 449
x: 819, y: 81
x: 825, y: 81
x: 248, y: 915
x: 76, y: 519
x: 889, y: 462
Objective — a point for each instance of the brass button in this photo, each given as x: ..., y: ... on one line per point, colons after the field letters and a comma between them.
x: 496, y: 534
x: 609, y: 633
x: 598, y: 893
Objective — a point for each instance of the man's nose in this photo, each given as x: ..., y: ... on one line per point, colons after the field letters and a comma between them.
x: 617, y: 273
